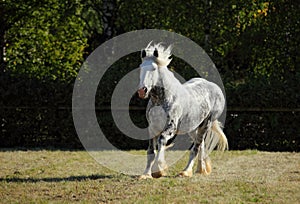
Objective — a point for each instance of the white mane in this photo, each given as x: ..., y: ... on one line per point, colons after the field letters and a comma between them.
x: 164, y: 53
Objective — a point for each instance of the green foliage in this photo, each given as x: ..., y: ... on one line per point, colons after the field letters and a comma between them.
x: 250, y: 39
x: 48, y: 41
x: 258, y: 37
x: 241, y: 37
x: 262, y: 92
x: 92, y: 15
x: 254, y: 44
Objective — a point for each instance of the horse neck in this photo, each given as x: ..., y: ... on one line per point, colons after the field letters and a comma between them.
x: 168, y: 85
x: 168, y: 80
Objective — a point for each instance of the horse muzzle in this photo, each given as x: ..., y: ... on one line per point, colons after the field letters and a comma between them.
x: 142, y: 92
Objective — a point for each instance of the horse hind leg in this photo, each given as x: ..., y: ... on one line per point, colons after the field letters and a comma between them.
x: 198, y: 150
x: 188, y: 170
x: 204, y: 162
x: 214, y: 137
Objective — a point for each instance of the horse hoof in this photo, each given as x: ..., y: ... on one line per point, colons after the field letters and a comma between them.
x: 145, y: 176
x: 185, y: 174
x: 204, y: 172
x: 158, y: 174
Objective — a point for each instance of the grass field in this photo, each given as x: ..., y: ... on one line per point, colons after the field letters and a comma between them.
x: 73, y: 176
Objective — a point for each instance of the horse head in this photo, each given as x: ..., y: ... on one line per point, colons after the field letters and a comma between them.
x: 153, y: 57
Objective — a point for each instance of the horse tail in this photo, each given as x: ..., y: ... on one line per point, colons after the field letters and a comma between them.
x: 215, y: 137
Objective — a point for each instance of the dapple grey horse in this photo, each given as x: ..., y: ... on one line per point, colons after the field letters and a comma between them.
x: 174, y: 108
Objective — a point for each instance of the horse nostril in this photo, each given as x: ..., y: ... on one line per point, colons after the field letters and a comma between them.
x: 142, y: 92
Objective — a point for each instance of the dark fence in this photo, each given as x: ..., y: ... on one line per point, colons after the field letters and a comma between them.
x: 37, y: 113
x: 269, y: 129
x: 45, y: 127
x: 31, y: 113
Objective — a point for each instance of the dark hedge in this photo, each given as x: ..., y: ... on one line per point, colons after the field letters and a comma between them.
x: 37, y: 113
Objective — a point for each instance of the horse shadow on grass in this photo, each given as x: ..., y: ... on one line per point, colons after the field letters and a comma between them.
x: 56, y: 179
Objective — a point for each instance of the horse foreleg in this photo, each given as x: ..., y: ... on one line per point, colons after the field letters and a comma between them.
x: 160, y: 166
x: 150, y: 159
x: 167, y: 134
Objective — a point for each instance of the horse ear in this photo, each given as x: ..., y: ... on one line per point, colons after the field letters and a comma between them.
x: 155, y: 53
x: 143, y: 54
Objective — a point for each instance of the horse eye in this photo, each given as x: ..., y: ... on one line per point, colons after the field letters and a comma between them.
x: 155, y: 53
x: 143, y: 53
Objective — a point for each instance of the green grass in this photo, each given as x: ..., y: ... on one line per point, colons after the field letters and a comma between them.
x: 73, y: 176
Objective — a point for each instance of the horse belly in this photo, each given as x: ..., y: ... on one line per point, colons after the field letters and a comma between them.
x: 193, y: 116
x: 187, y: 125
x: 157, y: 119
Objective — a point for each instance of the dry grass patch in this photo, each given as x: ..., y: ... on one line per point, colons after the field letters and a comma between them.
x: 73, y: 176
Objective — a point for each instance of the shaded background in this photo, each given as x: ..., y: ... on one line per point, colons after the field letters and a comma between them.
x: 254, y: 44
